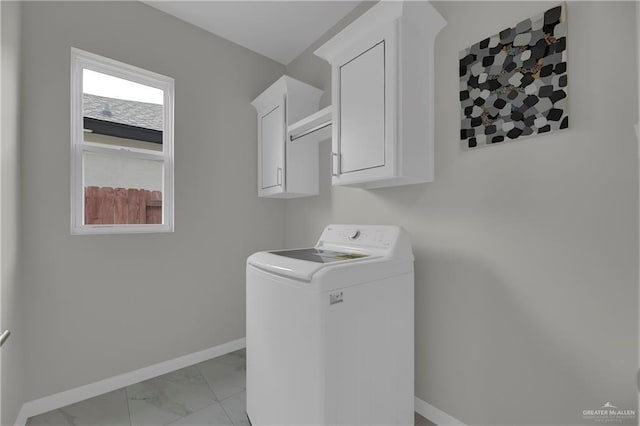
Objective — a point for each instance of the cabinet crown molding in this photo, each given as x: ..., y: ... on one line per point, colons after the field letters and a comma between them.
x: 285, y: 85
x: 383, y: 13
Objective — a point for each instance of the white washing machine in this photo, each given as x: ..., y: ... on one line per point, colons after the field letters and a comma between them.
x: 330, y: 330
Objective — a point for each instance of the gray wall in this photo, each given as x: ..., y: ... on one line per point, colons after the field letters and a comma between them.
x: 10, y: 290
x: 106, y: 304
x: 526, y: 253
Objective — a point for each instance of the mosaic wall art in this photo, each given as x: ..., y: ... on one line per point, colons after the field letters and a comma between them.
x: 514, y: 84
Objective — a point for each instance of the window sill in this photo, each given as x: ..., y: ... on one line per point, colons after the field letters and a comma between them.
x: 120, y: 229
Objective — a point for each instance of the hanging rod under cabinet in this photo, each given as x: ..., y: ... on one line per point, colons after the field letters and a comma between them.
x: 311, y: 130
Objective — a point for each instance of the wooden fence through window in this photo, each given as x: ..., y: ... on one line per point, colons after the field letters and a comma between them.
x: 121, y: 206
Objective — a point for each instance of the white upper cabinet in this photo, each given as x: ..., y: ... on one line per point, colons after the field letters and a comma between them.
x: 286, y: 169
x: 382, y: 78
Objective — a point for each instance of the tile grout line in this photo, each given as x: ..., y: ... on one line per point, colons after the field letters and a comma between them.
x: 231, y: 396
x: 216, y: 400
x: 193, y: 412
x: 126, y: 394
x: 212, y: 402
x: 227, y: 414
x: 219, y: 400
x: 234, y: 394
x: 207, y: 381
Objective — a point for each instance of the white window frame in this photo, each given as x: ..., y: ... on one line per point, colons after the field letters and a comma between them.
x: 85, y: 60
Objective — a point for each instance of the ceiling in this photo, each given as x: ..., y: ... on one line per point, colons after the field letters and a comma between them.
x: 279, y: 30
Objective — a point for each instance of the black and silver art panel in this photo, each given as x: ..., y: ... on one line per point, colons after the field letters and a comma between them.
x: 514, y: 84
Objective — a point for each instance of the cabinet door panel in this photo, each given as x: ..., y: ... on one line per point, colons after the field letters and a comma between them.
x: 272, y: 139
x: 362, y: 111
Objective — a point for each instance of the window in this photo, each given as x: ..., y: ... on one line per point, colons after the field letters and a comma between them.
x: 121, y: 147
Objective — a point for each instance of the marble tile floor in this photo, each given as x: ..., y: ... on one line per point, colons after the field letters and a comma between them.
x: 206, y: 394
x: 209, y: 393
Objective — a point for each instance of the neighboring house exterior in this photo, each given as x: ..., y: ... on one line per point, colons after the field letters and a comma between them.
x: 129, y: 124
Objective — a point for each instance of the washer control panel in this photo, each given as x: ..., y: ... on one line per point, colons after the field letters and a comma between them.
x: 360, y: 235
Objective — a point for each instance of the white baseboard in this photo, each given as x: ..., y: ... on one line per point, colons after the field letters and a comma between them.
x: 435, y: 415
x: 71, y: 396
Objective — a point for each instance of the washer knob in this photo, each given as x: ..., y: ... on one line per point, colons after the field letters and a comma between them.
x: 355, y: 234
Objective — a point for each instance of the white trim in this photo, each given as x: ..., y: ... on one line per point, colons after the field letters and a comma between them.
x: 140, y: 154
x: 71, y: 396
x: 80, y: 60
x: 121, y: 69
x: 435, y: 415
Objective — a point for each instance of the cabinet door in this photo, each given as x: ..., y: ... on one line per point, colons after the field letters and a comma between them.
x: 272, y: 134
x: 362, y: 110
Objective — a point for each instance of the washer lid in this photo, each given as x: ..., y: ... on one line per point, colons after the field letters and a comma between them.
x: 301, y: 264
x: 319, y: 255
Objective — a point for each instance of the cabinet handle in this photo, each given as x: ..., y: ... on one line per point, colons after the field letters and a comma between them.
x: 335, y: 164
x: 4, y: 336
x: 279, y: 176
